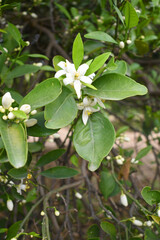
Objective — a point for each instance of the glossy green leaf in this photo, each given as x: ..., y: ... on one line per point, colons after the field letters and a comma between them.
x: 94, y: 140
x: 47, y: 68
x: 20, y: 114
x: 59, y: 172
x: 14, y: 32
x: 34, y: 147
x: 13, y: 230
x: 35, y: 55
x: 114, y: 86
x: 62, y: 111
x: 15, y: 141
x: 32, y: 195
x: 18, y: 173
x: 93, y: 231
x: 43, y: 94
x: 77, y: 51
x: 97, y: 63
x: 56, y: 60
x: 22, y: 70
x: 121, y: 67
x: 39, y: 130
x: 109, y: 228
x: 106, y: 189
x: 131, y: 17
x: 150, y: 196
x: 50, y: 156
x: 102, y: 36
x: 143, y: 152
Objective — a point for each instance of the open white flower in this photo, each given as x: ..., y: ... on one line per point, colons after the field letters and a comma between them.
x: 74, y: 77
x: 7, y: 100
x: 87, y: 107
x: 21, y: 187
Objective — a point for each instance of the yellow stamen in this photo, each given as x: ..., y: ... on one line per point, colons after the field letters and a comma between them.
x: 89, y: 113
x: 77, y: 74
x: 29, y: 176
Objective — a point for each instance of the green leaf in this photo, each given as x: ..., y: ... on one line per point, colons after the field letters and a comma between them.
x: 150, y: 196
x: 77, y: 51
x: 39, y: 130
x: 143, y: 152
x: 62, y: 111
x: 106, y: 189
x: 97, y: 63
x: 109, y: 228
x: 121, y: 67
x: 121, y: 130
x: 13, y: 230
x: 149, y: 234
x: 18, y: 173
x: 102, y: 36
x: 22, y: 70
x: 47, y: 68
x: 88, y: 85
x: 114, y: 86
x: 63, y: 10
x: 50, y: 156
x: 131, y: 17
x: 43, y: 94
x: 32, y: 195
x: 3, y: 230
x: 119, y: 14
x: 20, y: 114
x: 94, y: 140
x: 59, y: 172
x: 34, y: 147
x: 15, y: 141
x: 56, y: 60
x: 93, y: 231
x: 74, y: 160
x: 14, y: 32
x: 35, y: 55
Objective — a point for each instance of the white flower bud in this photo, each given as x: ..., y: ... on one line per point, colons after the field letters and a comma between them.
x: 14, y: 238
x: 31, y: 122
x: 2, y: 110
x: 123, y: 199
x: 11, y: 115
x: 42, y: 213
x: 10, y: 205
x: 7, y: 100
x: 26, y: 108
x: 24, y: 13
x: 28, y: 43
x: 121, y: 44
x: 137, y: 222
x: 33, y: 112
x: 56, y: 135
x: 4, y: 117
x: 10, y: 109
x: 148, y: 223
x: 57, y: 213
x: 78, y: 195
x: 128, y: 41
x: 158, y: 212
x: 34, y: 15
x: 15, y: 109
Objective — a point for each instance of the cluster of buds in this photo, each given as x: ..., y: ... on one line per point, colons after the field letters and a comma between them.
x: 120, y: 160
x: 123, y: 138
x: 9, y: 112
x: 148, y: 223
x: 122, y: 44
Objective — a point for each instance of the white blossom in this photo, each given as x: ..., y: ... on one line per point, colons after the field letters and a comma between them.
x: 10, y: 205
x: 148, y: 223
x: 30, y: 122
x: 123, y: 199
x: 26, y: 108
x: 128, y: 41
x: 7, y: 100
x: 120, y: 160
x: 11, y: 116
x: 21, y: 187
x: 75, y: 78
x: 87, y: 107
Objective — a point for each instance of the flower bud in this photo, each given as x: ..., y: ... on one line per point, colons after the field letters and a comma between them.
x: 158, y: 212
x: 4, y: 117
x: 148, y: 223
x: 11, y: 116
x: 78, y: 195
x: 128, y: 41
x: 7, y: 100
x: 42, y: 213
x: 2, y: 110
x: 137, y: 222
x: 31, y: 122
x: 14, y: 238
x: 10, y: 109
x: 123, y: 200
x: 57, y: 213
x: 10, y: 205
x: 121, y: 44
x: 33, y: 112
x: 26, y: 108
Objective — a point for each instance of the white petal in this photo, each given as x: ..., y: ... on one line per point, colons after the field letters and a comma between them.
x: 67, y: 81
x: 86, y: 101
x: 92, y: 75
x: 82, y: 69
x: 71, y: 68
x: 80, y: 106
x: 60, y: 73
x: 77, y: 87
x: 86, y: 79
x: 94, y: 109
x: 100, y: 103
x: 62, y: 65
x: 31, y: 122
x: 84, y: 117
